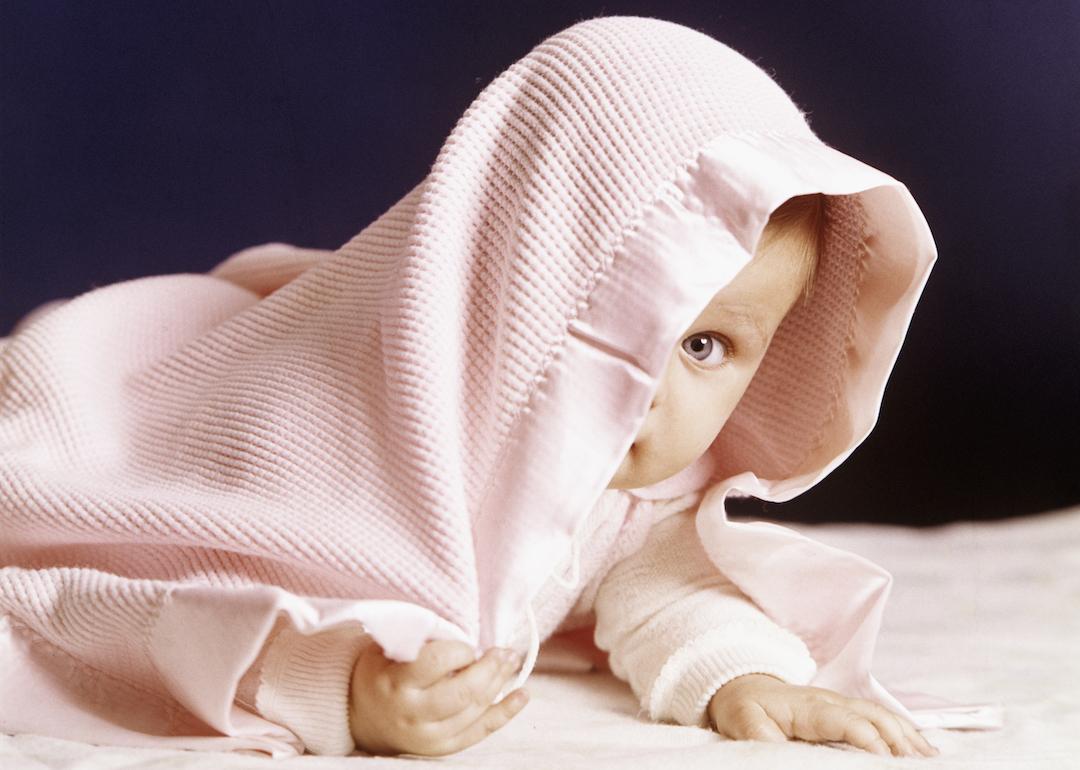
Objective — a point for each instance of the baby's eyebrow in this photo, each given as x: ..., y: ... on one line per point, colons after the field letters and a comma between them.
x: 741, y: 317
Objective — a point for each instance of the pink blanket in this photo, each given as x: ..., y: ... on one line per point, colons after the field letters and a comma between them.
x: 404, y: 432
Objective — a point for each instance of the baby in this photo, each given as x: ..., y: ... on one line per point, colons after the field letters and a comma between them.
x: 359, y: 467
x: 441, y: 702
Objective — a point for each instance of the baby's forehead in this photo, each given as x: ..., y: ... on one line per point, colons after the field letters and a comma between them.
x: 741, y: 312
x: 727, y: 303
x: 761, y: 293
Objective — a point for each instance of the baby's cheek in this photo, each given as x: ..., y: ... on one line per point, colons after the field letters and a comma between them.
x: 666, y: 455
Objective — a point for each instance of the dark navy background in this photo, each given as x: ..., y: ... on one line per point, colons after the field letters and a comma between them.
x: 149, y: 137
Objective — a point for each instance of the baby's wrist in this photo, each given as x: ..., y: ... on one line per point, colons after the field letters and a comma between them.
x: 733, y: 689
x: 744, y: 680
x: 368, y: 744
x: 361, y: 725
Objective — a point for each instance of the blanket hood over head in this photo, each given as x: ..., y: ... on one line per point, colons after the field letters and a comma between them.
x: 405, y: 431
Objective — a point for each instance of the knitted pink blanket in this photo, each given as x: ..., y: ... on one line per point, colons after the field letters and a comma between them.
x: 405, y: 431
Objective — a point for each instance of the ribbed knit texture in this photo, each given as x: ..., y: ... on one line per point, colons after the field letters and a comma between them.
x: 677, y: 630
x: 310, y: 671
x: 404, y: 433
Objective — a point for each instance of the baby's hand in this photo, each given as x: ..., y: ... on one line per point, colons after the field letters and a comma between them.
x: 427, y: 706
x: 763, y: 708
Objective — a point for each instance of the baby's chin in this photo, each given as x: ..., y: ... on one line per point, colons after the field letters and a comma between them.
x: 636, y: 469
x: 624, y: 477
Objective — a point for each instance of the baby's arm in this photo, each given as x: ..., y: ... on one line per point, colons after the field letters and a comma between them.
x: 437, y: 704
x: 697, y: 651
x: 761, y: 707
x: 337, y: 692
x: 676, y: 629
x: 302, y: 683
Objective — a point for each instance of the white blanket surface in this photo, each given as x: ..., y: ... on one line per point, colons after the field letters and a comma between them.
x: 979, y: 612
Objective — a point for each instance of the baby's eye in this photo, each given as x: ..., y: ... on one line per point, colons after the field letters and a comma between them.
x: 706, y: 348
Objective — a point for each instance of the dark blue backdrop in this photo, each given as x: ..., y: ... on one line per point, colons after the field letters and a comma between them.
x: 142, y: 138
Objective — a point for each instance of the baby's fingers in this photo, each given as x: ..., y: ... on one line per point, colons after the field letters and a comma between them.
x: 831, y: 722
x: 750, y: 722
x: 488, y: 722
x: 436, y: 659
x: 925, y: 746
x: 469, y: 691
x: 913, y: 734
x: 495, y: 717
x: 898, y: 732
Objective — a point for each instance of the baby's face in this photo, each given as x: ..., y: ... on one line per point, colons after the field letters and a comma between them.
x: 710, y: 369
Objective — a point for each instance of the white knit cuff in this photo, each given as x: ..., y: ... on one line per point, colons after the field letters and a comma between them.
x: 694, y: 672
x: 304, y: 685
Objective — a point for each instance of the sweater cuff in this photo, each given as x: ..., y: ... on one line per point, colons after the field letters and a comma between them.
x: 304, y: 685
x: 694, y: 672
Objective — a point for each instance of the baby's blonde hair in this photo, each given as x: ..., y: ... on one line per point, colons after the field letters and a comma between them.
x: 798, y: 225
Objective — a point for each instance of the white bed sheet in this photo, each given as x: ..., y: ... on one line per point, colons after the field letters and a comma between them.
x: 979, y: 612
